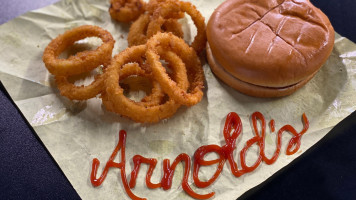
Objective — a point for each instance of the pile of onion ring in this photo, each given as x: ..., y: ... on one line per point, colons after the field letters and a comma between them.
x: 157, y: 16
x: 157, y: 54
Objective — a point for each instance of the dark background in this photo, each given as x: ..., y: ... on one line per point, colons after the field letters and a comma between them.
x: 326, y: 171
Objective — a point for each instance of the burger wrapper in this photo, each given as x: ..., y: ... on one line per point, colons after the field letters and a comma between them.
x: 75, y: 132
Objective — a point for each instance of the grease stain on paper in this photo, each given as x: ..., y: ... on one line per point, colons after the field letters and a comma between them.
x: 161, y: 146
x: 46, y: 116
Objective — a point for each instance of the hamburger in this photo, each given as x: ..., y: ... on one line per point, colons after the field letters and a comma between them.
x: 268, y: 48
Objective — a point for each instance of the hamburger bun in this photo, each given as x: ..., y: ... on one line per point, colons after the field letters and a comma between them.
x: 268, y: 48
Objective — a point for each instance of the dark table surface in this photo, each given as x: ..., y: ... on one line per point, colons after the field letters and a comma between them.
x: 326, y: 171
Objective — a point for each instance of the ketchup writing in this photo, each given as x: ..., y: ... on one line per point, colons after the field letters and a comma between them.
x: 232, y: 130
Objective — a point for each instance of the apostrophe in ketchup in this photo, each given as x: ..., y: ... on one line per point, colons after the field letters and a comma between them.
x: 232, y: 130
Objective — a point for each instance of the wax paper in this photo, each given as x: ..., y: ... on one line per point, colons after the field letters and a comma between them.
x: 75, y: 132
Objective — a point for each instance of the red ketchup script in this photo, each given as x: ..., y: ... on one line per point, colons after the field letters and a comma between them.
x: 232, y: 130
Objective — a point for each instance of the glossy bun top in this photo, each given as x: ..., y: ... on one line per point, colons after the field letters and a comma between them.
x: 272, y: 43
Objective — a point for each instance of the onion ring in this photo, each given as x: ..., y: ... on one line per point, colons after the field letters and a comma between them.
x: 153, y: 5
x: 171, y: 6
x: 138, y: 30
x: 173, y: 26
x: 82, y: 61
x: 156, y: 96
x: 195, y: 72
x: 126, y: 10
x: 74, y: 92
x: 124, y: 106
